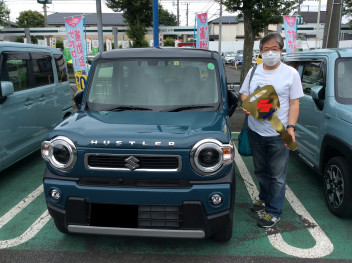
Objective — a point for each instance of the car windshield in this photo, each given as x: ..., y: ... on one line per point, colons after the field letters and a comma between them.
x: 230, y: 54
x: 343, y: 91
x: 154, y: 84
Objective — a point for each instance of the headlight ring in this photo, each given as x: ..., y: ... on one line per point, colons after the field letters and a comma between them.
x: 209, y: 156
x: 60, y: 152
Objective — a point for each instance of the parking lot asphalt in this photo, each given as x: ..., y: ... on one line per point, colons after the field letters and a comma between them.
x: 308, y: 232
x: 307, y: 228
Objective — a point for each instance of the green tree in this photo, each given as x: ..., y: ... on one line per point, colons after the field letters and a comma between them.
x: 257, y: 15
x: 4, y: 13
x: 138, y: 15
x: 169, y: 42
x: 30, y: 18
x: 166, y: 18
x: 347, y: 9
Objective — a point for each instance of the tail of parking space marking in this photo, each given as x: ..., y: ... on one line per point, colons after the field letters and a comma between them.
x: 33, y: 229
x: 323, y: 245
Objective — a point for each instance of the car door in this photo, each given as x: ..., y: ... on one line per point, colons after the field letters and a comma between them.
x: 311, y: 116
x: 18, y: 113
x: 49, y: 104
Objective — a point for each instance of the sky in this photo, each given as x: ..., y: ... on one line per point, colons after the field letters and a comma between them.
x: 89, y: 6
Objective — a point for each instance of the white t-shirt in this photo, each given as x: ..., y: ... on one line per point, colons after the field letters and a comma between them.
x: 288, y: 86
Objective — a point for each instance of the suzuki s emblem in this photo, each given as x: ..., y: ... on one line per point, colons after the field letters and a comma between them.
x: 132, y: 163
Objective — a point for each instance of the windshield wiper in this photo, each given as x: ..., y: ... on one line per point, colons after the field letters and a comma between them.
x: 191, y: 107
x: 125, y: 108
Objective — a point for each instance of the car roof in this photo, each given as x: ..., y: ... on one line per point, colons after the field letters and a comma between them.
x: 24, y: 45
x: 343, y: 52
x: 157, y: 53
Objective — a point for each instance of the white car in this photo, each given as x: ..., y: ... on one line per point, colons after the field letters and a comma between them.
x: 227, y: 57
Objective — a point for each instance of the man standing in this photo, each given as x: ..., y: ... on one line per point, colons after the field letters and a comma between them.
x: 270, y: 154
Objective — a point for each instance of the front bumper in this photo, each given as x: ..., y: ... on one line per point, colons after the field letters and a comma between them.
x: 137, y: 211
x: 194, y: 223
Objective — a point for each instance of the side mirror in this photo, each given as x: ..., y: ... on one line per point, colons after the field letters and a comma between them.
x: 77, y: 98
x: 318, y: 95
x: 7, y: 89
x: 232, y: 98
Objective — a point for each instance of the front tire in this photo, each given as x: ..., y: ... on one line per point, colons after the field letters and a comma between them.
x: 338, y: 186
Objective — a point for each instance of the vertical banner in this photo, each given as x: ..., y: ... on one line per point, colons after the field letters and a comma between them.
x: 95, y: 46
x: 290, y: 25
x: 67, y: 53
x: 76, y: 40
x: 202, y: 31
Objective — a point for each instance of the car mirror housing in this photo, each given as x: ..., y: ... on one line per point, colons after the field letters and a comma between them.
x: 316, y: 92
x: 7, y: 89
x: 77, y: 98
x: 232, y: 101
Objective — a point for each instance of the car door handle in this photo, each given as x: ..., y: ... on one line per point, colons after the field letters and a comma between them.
x: 327, y: 116
x: 42, y: 98
x: 28, y: 102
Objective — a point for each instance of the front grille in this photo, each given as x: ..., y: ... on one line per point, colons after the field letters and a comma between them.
x: 132, y: 182
x: 133, y: 162
x: 133, y: 216
x: 159, y: 217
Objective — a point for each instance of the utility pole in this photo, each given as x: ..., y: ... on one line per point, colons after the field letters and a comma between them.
x: 178, y: 12
x: 46, y: 21
x: 332, y: 24
x: 187, y: 14
x: 100, y: 26
x: 220, y: 28
x: 318, y: 26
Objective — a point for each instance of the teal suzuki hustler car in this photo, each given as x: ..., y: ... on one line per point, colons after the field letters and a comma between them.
x: 149, y: 151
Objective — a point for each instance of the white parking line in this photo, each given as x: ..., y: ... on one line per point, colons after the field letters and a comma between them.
x: 28, y: 234
x: 33, y: 229
x: 323, y: 245
x: 21, y: 205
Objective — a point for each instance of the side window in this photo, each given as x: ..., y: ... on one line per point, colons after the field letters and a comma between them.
x: 296, y: 65
x: 343, y: 79
x: 42, y: 68
x: 312, y: 75
x: 61, y: 67
x: 14, y: 69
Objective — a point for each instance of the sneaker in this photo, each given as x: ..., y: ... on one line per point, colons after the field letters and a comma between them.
x: 268, y: 221
x: 258, y: 206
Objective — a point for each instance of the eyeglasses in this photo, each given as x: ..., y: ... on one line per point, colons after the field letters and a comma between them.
x: 275, y: 49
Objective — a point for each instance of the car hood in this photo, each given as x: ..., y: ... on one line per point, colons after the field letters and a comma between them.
x: 344, y: 113
x: 142, y: 129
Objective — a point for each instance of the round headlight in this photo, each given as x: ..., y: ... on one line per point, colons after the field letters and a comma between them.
x: 60, y: 152
x: 209, y: 156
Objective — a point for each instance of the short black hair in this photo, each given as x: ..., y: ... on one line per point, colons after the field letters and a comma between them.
x: 272, y: 36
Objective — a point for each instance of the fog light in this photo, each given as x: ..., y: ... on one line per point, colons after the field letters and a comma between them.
x: 55, y: 194
x: 216, y: 199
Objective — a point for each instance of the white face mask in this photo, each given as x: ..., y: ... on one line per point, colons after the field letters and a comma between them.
x: 270, y: 58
